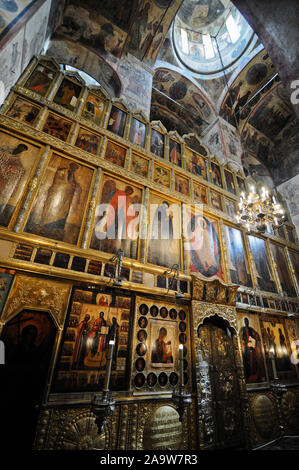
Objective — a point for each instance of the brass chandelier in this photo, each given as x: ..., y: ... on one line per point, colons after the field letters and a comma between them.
x: 256, y: 211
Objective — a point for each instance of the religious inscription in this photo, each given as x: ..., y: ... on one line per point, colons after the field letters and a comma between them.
x: 164, y: 431
x: 264, y: 416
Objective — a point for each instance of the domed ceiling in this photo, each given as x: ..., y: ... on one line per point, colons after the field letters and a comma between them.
x: 210, y: 36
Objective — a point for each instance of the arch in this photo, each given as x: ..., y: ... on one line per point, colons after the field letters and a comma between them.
x: 180, y: 101
x: 68, y: 52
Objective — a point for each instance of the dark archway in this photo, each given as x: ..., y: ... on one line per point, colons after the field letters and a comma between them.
x: 29, y: 339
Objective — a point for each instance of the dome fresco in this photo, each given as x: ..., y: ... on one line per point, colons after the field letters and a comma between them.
x: 210, y: 36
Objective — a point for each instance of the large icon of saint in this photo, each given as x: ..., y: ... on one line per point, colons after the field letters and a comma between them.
x: 204, y: 247
x: 251, y: 353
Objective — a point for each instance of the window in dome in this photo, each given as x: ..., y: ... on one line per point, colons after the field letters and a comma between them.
x: 209, y: 50
x: 233, y: 29
x: 185, y: 44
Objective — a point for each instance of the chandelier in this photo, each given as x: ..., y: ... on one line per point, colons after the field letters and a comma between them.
x: 257, y: 211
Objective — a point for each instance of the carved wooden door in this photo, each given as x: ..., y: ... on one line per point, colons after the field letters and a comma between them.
x: 219, y: 388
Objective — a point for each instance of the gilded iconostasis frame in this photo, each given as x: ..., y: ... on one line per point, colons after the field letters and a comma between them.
x: 85, y: 139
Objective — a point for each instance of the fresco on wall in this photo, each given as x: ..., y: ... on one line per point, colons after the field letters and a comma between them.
x: 93, y: 320
x: 187, y: 106
x: 83, y: 25
x: 283, y: 271
x: 286, y: 144
x: 257, y: 171
x: 263, y: 269
x: 12, y: 11
x: 151, y: 23
x: 76, y: 55
x: 164, y: 244
x: 35, y: 33
x: 231, y: 141
x: 10, y: 63
x: 248, y: 82
x: 59, y: 204
x: 237, y: 264
x: 204, y: 252
x: 17, y: 159
x: 112, y: 228
x: 252, y: 348
x: 290, y: 194
x: 24, y: 111
x: 276, y: 342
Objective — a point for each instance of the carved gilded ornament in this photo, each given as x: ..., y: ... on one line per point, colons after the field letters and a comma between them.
x: 32, y: 292
x: 202, y: 310
x: 213, y: 290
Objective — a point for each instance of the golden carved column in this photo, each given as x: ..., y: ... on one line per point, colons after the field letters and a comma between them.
x: 85, y: 237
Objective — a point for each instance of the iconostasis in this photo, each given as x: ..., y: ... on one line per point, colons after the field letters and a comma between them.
x: 66, y: 150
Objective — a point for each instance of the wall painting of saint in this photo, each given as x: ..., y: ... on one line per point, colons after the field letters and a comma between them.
x: 57, y: 127
x: 92, y: 322
x: 204, y: 252
x: 93, y: 108
x: 115, y: 154
x: 24, y: 111
x: 137, y: 132
x: 139, y: 165
x: 200, y: 193
x: 241, y: 184
x: 181, y: 184
x: 117, y: 121
x: 264, y: 274
x: 164, y: 232
x: 283, y: 271
x: 237, y: 263
x: 68, y: 94
x: 162, y: 175
x: 157, y: 143
x: 18, y: 158
x: 229, y: 179
x: 196, y: 164
x: 59, y: 205
x: 40, y: 80
x: 216, y: 200
x: 88, y: 141
x: 163, y: 344
x: 230, y: 207
x: 250, y: 338
x: 216, y: 175
x: 175, y: 155
x: 116, y: 225
x: 277, y: 344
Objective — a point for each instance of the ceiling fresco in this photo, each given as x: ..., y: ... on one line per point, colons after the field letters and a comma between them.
x: 182, y: 99
x: 207, y: 20
x: 115, y: 26
x: 248, y: 82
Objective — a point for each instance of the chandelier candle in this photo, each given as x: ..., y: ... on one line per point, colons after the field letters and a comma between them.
x: 108, y: 365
